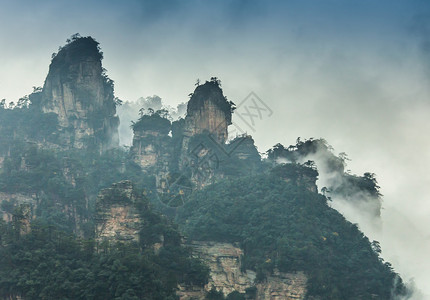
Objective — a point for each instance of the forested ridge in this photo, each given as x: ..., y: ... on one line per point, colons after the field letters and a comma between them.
x: 286, y: 227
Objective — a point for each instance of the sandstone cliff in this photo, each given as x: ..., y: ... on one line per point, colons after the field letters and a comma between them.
x: 226, y: 275
x: 205, y: 131
x: 242, y: 157
x: 17, y: 205
x: 196, y: 145
x: 117, y: 217
x: 79, y: 92
x: 152, y: 147
x: 208, y: 111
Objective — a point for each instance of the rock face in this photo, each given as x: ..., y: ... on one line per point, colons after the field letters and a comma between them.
x: 208, y: 111
x: 283, y: 286
x: 301, y: 175
x: 205, y: 129
x: 79, y: 92
x: 117, y: 217
x: 194, y: 143
x: 152, y: 146
x: 145, y: 148
x: 11, y: 204
x: 224, y: 261
x: 244, y: 151
x: 226, y: 275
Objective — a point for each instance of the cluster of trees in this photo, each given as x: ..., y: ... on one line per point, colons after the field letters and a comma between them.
x: 25, y: 119
x: 77, y: 46
x: 341, y: 184
x: 152, y: 121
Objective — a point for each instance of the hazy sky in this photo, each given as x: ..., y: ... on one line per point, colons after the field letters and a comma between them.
x: 354, y: 72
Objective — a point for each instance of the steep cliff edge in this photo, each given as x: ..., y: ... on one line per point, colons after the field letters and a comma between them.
x: 79, y: 92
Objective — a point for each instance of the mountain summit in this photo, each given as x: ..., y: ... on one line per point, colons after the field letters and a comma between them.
x: 78, y: 90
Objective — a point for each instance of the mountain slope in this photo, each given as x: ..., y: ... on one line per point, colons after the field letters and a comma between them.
x: 284, y: 226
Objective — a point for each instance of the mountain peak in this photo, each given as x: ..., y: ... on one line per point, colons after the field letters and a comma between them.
x: 77, y: 49
x: 78, y: 90
x: 211, y: 92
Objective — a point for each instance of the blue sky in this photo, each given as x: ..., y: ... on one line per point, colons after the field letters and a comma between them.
x: 354, y: 72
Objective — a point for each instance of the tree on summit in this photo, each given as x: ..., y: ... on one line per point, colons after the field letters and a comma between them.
x: 216, y: 81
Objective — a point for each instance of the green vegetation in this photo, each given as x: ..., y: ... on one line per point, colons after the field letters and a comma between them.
x: 341, y: 184
x: 65, y: 183
x: 282, y: 225
x: 153, y: 121
x: 304, y: 149
x: 48, y: 263
x: 25, y: 120
x: 77, y: 48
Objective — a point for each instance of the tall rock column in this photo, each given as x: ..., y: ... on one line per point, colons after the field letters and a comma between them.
x: 80, y: 93
x: 151, y: 148
x: 205, y: 131
x: 208, y: 111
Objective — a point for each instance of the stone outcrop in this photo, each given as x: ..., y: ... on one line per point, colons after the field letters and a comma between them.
x: 78, y: 91
x: 205, y: 132
x: 301, y: 175
x: 208, y: 111
x: 224, y: 261
x: 9, y: 203
x: 280, y: 286
x: 194, y: 147
x: 152, y: 146
x: 226, y: 275
x: 117, y: 217
x: 145, y: 148
x: 243, y: 149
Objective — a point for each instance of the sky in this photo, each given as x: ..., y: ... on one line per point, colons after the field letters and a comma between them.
x: 356, y: 73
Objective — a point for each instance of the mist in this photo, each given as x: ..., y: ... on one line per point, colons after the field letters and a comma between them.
x: 130, y: 111
x: 403, y: 244
x: 356, y: 74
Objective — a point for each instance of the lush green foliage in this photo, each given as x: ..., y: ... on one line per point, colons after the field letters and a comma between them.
x: 342, y: 184
x: 303, y: 149
x: 284, y: 226
x: 66, y: 183
x: 25, y: 121
x: 154, y: 121
x: 47, y: 263
x: 77, y: 49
